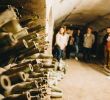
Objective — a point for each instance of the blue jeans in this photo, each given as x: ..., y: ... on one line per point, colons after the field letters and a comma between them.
x: 76, y: 50
x: 87, y: 54
x: 58, y: 53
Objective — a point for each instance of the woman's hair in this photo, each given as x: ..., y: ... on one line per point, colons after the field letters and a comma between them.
x: 60, y: 30
x: 107, y: 27
x: 64, y: 27
x: 89, y: 28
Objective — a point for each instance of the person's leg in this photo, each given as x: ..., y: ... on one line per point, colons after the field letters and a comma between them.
x: 58, y: 54
x: 107, y: 67
x: 68, y: 51
x: 107, y: 58
x: 61, y: 54
x: 84, y: 54
x: 89, y: 55
x: 77, y: 51
x: 54, y: 52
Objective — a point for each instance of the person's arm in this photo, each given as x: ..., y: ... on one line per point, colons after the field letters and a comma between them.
x: 66, y: 40
x: 58, y: 40
x: 71, y: 41
x: 104, y: 39
x: 93, y: 40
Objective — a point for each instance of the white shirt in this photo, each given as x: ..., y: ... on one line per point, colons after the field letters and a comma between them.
x: 67, y: 36
x: 61, y: 40
x: 108, y: 39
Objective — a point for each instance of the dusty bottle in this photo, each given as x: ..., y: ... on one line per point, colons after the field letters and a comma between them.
x: 5, y: 83
x: 17, y: 78
x: 25, y: 96
x: 22, y: 87
x: 7, y: 39
x: 25, y: 68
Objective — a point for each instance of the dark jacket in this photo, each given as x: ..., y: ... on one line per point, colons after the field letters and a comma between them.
x: 69, y: 41
x: 105, y: 39
x: 78, y: 39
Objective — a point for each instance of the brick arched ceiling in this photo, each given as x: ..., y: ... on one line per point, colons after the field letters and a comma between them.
x: 82, y: 12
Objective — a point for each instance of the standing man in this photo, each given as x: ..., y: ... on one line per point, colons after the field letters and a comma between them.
x: 77, y: 42
x: 89, y: 39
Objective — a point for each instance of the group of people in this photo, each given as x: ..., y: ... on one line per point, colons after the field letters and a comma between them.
x: 65, y: 42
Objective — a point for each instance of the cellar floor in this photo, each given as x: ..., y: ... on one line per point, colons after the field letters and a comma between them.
x: 84, y: 82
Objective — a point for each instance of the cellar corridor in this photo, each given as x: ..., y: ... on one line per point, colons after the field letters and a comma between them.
x: 38, y: 40
x: 84, y: 82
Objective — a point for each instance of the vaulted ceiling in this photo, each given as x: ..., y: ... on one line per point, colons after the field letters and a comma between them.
x: 82, y: 12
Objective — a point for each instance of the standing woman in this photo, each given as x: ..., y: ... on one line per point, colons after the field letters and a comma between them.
x: 106, y: 44
x: 61, y: 43
x: 89, y: 39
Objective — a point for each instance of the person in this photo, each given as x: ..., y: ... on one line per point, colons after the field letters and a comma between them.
x: 95, y: 45
x: 70, y: 44
x: 89, y: 39
x: 77, y: 43
x: 60, y: 45
x: 106, y: 44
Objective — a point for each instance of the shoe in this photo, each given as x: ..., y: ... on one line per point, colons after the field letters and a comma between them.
x: 61, y: 60
x: 76, y: 58
x: 67, y: 57
x: 105, y: 65
x: 107, y: 69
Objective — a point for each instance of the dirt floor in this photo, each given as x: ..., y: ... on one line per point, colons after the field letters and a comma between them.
x: 84, y: 82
